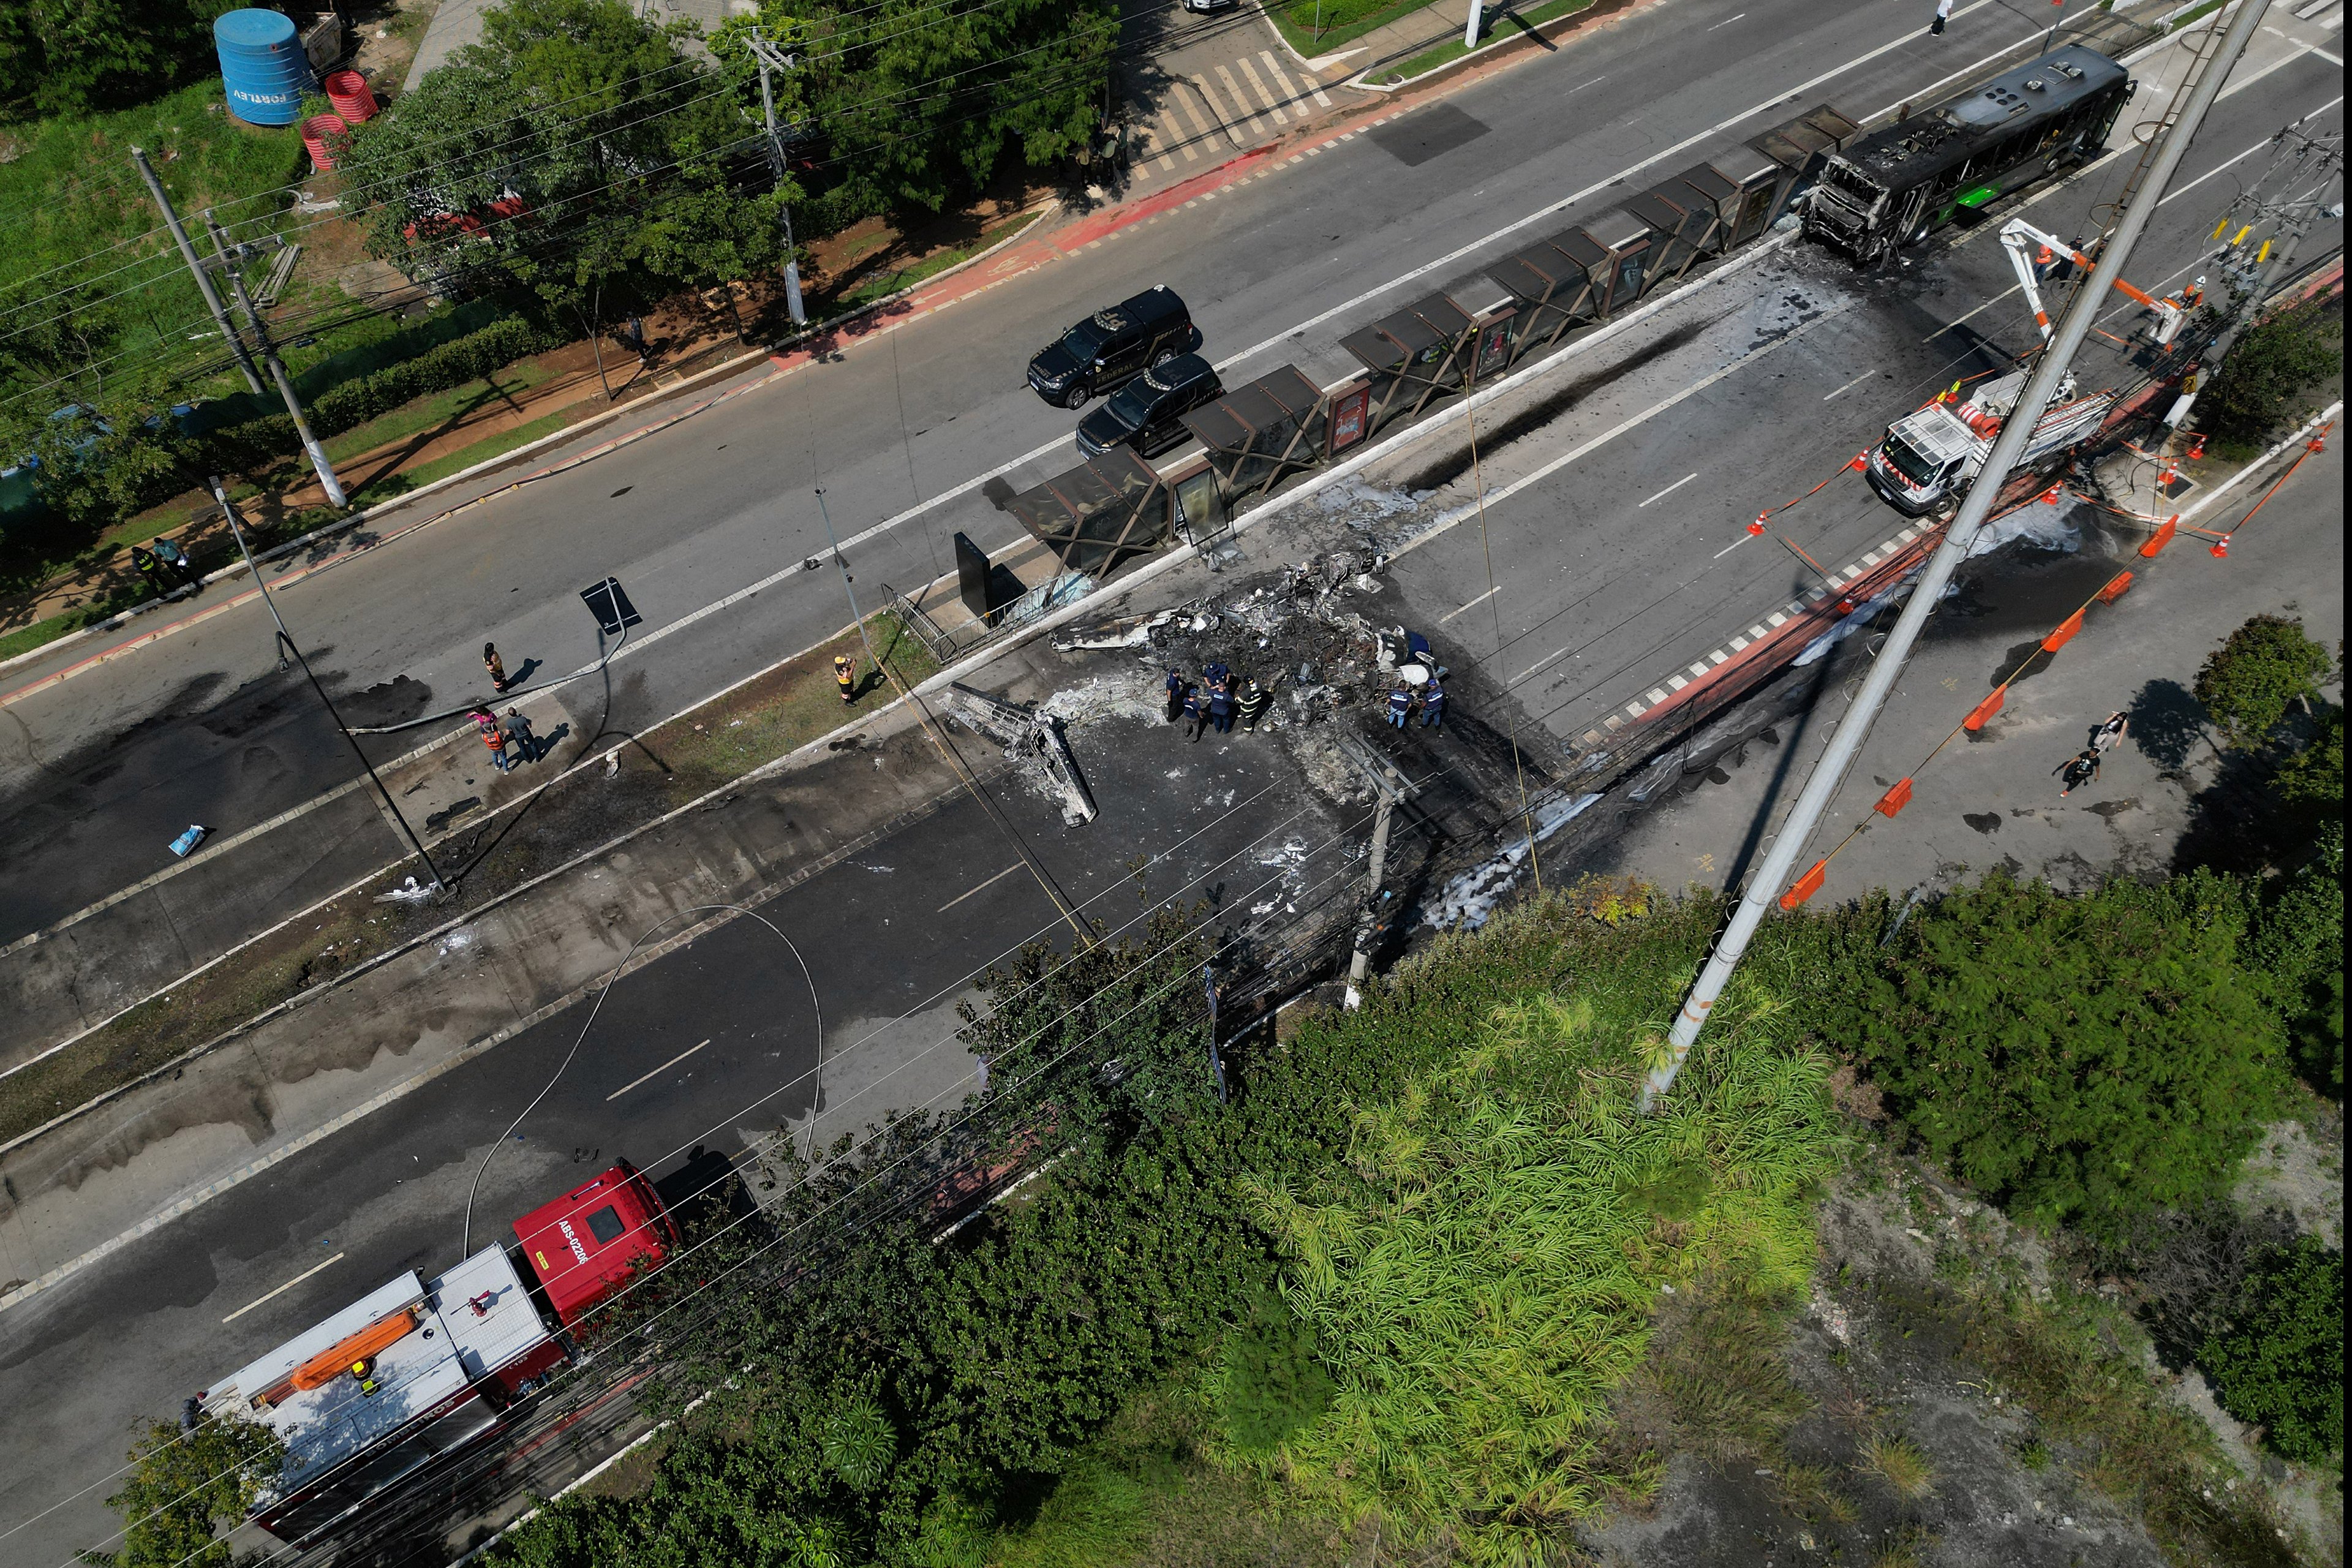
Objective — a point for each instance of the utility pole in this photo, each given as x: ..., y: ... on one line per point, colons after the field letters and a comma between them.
x: 1393, y: 789
x: 2295, y: 221
x: 287, y: 644
x: 196, y: 267
x: 1845, y: 743
x: 318, y: 463
x: 765, y: 53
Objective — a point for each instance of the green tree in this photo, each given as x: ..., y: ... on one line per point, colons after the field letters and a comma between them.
x: 186, y: 1487
x: 2262, y: 386
x: 2261, y: 670
x: 2279, y: 1363
x: 2080, y: 1060
x: 70, y: 57
x: 578, y: 144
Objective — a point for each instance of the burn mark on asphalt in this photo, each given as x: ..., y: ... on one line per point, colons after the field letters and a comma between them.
x: 1985, y: 822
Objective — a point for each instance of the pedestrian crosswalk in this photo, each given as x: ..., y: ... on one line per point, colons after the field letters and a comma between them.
x: 1204, y: 116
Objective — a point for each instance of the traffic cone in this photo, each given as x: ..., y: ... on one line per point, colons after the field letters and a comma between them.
x: 2050, y: 496
x: 2221, y: 549
x: 1861, y: 461
x: 1758, y: 526
x: 2196, y: 450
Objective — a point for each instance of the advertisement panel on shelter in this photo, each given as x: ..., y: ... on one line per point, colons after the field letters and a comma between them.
x: 1347, y: 412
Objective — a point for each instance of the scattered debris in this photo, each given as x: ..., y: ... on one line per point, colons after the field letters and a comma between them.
x: 1035, y: 739
x: 407, y: 893
x: 1470, y: 898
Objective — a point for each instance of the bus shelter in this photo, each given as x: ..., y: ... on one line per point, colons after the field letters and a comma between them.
x: 1682, y: 222
x: 1626, y: 242
x: 1763, y: 186
x: 1699, y: 189
x: 1099, y: 515
x: 1256, y: 433
x: 1553, y: 280
x: 1416, y: 355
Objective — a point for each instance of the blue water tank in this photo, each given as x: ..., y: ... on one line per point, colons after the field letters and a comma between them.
x: 262, y: 66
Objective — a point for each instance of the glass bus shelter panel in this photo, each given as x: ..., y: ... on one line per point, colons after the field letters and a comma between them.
x: 1553, y: 292
x: 1681, y: 230
x: 1762, y: 183
x: 1377, y: 351
x: 1255, y: 434
x: 1099, y: 516
x: 1627, y: 241
x: 1598, y: 266
x: 1444, y: 318
x: 1719, y: 195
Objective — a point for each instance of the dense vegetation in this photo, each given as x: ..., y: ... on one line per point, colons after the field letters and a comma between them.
x: 2080, y: 1060
x: 72, y: 57
x: 2279, y: 1361
x: 2266, y: 383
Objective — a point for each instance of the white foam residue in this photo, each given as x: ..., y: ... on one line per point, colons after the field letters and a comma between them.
x: 1469, y: 898
x: 2046, y: 525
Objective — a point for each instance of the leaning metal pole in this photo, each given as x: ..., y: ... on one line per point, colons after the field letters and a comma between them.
x: 1845, y: 741
x: 433, y: 880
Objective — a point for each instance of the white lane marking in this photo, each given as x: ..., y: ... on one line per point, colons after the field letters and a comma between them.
x: 1669, y: 490
x: 1243, y: 114
x: 1727, y: 21
x: 1257, y: 85
x: 1732, y: 546
x: 1580, y: 87
x: 257, y: 1300
x: 1471, y: 605
x: 1349, y: 305
x: 982, y: 889
x: 1537, y: 475
x: 656, y: 1073
x: 1850, y: 385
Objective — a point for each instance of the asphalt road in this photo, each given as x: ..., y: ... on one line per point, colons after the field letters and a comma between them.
x: 98, y: 773
x: 1631, y: 561
x: 712, y: 1047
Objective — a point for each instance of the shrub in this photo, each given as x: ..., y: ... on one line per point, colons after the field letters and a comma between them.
x: 2279, y: 1363
x: 2260, y: 386
x: 2265, y: 667
x: 2078, y: 1058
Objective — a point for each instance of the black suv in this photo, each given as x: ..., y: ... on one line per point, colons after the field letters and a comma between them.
x: 1147, y: 413
x: 1112, y: 346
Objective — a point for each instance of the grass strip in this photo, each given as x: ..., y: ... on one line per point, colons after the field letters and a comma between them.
x: 938, y: 261
x: 1342, y: 22
x: 1527, y: 21
x: 667, y: 767
x: 402, y: 480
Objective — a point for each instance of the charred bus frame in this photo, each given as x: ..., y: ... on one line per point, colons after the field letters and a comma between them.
x: 1896, y: 187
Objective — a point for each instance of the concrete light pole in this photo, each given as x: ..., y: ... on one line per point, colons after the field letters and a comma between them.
x: 196, y: 269
x: 318, y: 463
x: 1764, y: 887
x: 768, y: 60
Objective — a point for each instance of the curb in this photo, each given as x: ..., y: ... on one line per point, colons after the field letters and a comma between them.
x: 1497, y: 47
x: 735, y: 365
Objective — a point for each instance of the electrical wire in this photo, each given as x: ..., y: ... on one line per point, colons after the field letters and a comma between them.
x: 1274, y: 879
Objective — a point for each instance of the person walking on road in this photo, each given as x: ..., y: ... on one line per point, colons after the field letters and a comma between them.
x: 486, y: 720
x: 518, y: 730
x: 2109, y: 733
x: 1254, y: 700
x: 1400, y: 706
x: 845, y: 675
x: 1196, y: 713
x: 1432, y: 707
x: 1943, y: 16
x: 496, y: 666
x: 2077, y: 771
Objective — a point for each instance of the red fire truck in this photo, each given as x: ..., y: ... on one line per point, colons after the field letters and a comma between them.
x: 419, y: 1367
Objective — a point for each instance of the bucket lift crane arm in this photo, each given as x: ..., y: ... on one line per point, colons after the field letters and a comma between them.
x: 2017, y: 236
